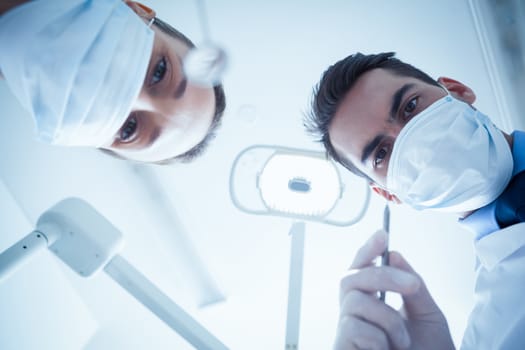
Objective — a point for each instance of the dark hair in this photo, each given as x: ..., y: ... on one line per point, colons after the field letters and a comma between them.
x: 336, y: 82
x: 220, y: 106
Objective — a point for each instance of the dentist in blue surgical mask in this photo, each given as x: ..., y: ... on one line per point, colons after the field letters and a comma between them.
x: 107, y: 74
x: 421, y: 142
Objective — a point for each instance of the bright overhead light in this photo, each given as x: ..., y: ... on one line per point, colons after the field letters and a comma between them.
x: 299, y: 184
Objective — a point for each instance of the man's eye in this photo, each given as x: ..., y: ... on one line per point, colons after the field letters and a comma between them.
x: 128, y: 130
x: 159, y: 71
x: 410, y: 107
x: 380, y: 156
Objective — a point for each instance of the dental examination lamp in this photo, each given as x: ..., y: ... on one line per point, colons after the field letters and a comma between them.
x: 299, y: 184
x: 88, y: 243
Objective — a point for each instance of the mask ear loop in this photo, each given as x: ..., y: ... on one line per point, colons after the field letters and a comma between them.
x: 151, y: 21
x: 444, y: 88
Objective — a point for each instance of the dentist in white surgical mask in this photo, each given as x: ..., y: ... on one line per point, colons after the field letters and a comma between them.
x: 107, y: 74
x: 421, y: 142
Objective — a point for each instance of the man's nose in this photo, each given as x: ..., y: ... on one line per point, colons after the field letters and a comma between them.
x: 393, y: 129
x: 144, y: 102
x: 162, y: 105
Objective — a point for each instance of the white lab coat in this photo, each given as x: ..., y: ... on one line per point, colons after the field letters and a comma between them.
x: 498, y: 318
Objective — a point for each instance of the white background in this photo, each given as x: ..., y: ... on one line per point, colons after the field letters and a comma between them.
x: 278, y: 50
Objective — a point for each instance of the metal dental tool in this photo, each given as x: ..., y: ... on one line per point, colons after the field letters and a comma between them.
x: 205, y: 65
x: 384, y: 256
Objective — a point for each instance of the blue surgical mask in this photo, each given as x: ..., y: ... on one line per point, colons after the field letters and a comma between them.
x: 450, y: 157
x: 76, y: 66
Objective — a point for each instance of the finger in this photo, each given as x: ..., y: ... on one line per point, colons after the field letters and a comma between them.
x: 379, y: 278
x: 397, y: 260
x: 420, y: 302
x: 375, y: 312
x: 344, y: 286
x: 353, y: 333
x: 373, y: 247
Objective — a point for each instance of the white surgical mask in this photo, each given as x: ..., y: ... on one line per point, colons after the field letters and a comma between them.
x: 450, y: 157
x: 76, y: 66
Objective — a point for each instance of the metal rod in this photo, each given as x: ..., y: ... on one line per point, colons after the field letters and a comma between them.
x: 161, y: 305
x: 385, y: 255
x: 203, y: 19
x: 295, y: 286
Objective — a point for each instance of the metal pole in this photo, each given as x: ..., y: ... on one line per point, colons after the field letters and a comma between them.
x: 295, y: 286
x: 161, y: 305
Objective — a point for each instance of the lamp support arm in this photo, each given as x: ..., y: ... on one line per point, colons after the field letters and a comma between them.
x: 161, y: 305
x: 295, y: 285
x: 21, y: 252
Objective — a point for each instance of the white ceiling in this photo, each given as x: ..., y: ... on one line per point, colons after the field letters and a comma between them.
x: 278, y: 51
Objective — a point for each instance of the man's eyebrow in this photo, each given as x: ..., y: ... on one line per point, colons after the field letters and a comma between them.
x: 398, y: 98
x: 369, y: 148
x: 396, y: 102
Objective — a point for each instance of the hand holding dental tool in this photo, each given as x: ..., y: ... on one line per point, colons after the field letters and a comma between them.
x: 366, y: 323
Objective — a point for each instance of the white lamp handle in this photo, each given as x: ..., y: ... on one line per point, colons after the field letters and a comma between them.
x: 20, y: 253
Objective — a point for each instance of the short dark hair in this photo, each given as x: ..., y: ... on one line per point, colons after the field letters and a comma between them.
x: 220, y: 106
x: 336, y: 82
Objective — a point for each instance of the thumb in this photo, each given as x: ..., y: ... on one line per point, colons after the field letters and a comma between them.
x: 420, y: 303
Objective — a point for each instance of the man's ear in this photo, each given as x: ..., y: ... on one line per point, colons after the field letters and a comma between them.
x: 384, y: 193
x: 141, y: 10
x: 458, y: 90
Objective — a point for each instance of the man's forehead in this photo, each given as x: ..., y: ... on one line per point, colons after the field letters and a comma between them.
x: 378, y: 83
x: 367, y: 98
x: 363, y: 111
x: 371, y: 96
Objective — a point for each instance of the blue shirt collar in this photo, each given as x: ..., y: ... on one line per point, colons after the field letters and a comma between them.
x: 518, y: 151
x: 483, y: 221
